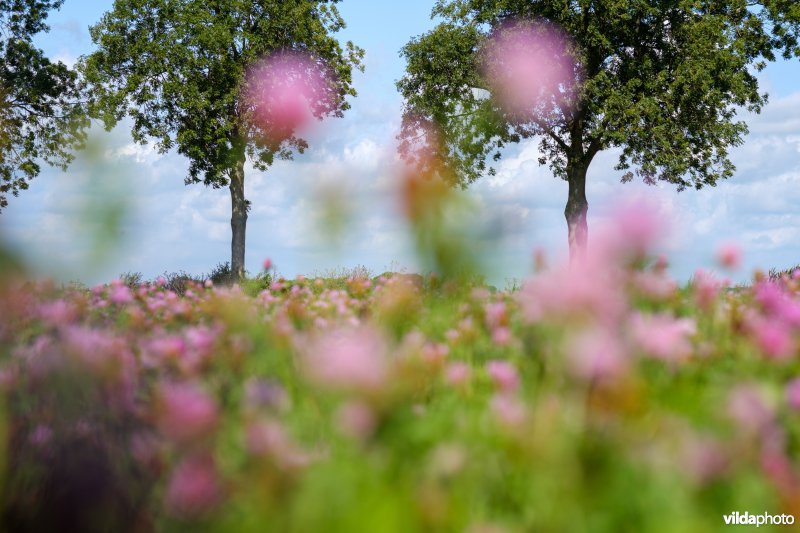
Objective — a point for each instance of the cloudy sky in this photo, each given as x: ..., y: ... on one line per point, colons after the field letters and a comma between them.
x: 169, y: 226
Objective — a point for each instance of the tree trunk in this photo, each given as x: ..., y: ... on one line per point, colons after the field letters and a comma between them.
x: 575, y: 212
x: 238, y: 219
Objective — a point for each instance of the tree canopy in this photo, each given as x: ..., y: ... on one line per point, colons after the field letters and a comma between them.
x: 179, y: 69
x: 662, y: 80
x: 41, y: 117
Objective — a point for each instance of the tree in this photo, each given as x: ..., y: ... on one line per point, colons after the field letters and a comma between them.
x: 182, y: 70
x: 661, y: 79
x: 41, y: 117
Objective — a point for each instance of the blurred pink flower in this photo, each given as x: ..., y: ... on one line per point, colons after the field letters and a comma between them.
x: 590, y: 289
x: 99, y: 350
x: 120, y: 294
x: 356, y: 419
x: 729, y: 255
x: 703, y: 458
x: 655, y: 285
x: 434, y: 353
x: 746, y: 406
x: 779, y: 468
x: 663, y: 336
x: 770, y: 296
x: 706, y: 288
x: 597, y: 354
x: 269, y: 440
x: 530, y: 69
x: 287, y: 91
x: 194, y: 489
x: 772, y: 337
x: 496, y: 314
x: 508, y: 409
x: 58, y: 312
x: 267, y: 263
x: 793, y: 394
x: 634, y: 230
x: 452, y: 336
x: 145, y: 447
x: 503, y: 374
x: 348, y: 359
x: 777, y: 303
x: 501, y: 336
x: 162, y: 350
x: 41, y: 435
x: 199, y: 347
x: 187, y: 412
x: 457, y: 373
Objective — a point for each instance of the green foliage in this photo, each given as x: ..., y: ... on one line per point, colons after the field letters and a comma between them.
x: 661, y: 79
x: 41, y: 118
x: 176, y: 67
x: 254, y: 286
x: 181, y: 281
x: 221, y: 274
x: 131, y: 279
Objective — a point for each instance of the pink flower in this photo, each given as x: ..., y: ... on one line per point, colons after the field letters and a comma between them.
x: 58, y: 312
x: 267, y: 263
x: 703, y: 458
x: 452, y: 336
x: 530, y: 68
x: 287, y: 90
x: 772, y: 337
x: 120, y: 294
x: 356, y: 419
x: 269, y: 440
x: 187, y: 412
x: 706, y: 288
x: 40, y: 436
x: 590, y: 289
x: 793, y: 394
x: 348, y: 359
x: 596, y: 354
x: 654, y: 284
x: 729, y: 255
x: 502, y: 336
x: 496, y: 314
x: 635, y: 229
x: 194, y: 489
x: 503, y: 375
x: 162, y: 350
x: 99, y: 350
x: 457, y: 373
x: 508, y: 410
x: 747, y: 408
x: 663, y: 336
x: 776, y: 303
x: 435, y: 353
x: 200, y: 342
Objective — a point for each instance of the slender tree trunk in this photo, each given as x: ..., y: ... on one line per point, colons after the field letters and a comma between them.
x: 238, y: 219
x: 575, y: 212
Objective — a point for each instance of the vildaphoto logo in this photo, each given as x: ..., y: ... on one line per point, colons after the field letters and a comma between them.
x: 746, y: 519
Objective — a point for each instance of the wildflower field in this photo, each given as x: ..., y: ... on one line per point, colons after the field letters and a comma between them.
x: 596, y: 397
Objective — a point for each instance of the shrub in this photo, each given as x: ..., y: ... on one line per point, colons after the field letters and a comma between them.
x: 221, y: 275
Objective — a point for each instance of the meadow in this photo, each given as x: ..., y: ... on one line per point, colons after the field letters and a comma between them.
x: 600, y: 396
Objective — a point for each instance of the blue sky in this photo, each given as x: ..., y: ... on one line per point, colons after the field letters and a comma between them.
x: 172, y: 227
